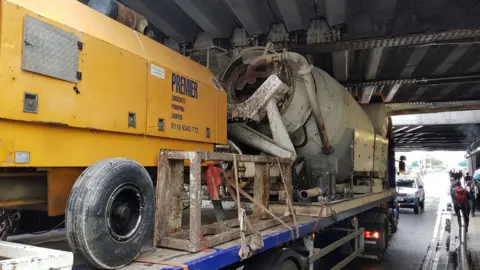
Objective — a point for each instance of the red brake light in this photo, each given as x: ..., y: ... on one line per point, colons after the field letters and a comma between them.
x: 417, y: 193
x: 371, y: 234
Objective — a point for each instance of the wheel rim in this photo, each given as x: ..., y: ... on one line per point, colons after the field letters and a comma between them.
x: 125, y: 209
x: 288, y: 265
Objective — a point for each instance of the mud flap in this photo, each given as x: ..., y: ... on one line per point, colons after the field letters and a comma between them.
x: 375, y: 247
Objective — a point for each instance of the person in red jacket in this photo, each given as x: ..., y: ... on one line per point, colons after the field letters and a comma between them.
x: 460, y: 203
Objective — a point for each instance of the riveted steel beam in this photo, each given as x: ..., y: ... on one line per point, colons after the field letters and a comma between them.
x: 431, y: 107
x: 406, y: 40
x: 442, y: 118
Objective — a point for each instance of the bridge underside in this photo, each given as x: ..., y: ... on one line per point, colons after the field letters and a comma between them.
x: 436, y: 131
x: 435, y: 137
x: 418, y: 56
x: 399, y: 51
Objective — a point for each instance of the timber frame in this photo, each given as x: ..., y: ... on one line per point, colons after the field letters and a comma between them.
x: 168, y: 214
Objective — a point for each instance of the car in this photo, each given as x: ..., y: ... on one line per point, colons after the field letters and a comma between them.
x: 411, y: 193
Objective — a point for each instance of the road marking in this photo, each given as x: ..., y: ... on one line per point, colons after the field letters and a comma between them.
x: 434, y: 248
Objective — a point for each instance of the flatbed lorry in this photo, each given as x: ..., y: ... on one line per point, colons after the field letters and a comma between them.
x: 121, y: 136
x: 276, y: 240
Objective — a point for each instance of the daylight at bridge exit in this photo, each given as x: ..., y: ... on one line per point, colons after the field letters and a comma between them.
x: 239, y: 134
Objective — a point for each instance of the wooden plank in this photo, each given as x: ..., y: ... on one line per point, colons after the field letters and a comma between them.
x: 195, y: 201
x: 220, y: 238
x: 162, y: 199
x: 261, y: 188
x: 175, y: 243
x: 215, y: 156
x: 176, y: 189
x: 213, y: 228
x: 211, y: 241
x: 172, y: 154
x: 287, y: 172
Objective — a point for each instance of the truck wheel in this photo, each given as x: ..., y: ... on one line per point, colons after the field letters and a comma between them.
x: 393, y: 222
x: 416, y: 208
x: 282, y: 259
x: 288, y: 265
x: 109, y: 213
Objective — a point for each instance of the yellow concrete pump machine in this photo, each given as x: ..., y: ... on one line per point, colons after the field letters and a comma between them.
x: 78, y: 90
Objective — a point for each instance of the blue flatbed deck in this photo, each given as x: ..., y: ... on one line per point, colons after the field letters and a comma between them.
x: 227, y: 253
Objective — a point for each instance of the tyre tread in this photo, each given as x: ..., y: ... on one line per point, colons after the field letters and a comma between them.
x: 84, y: 190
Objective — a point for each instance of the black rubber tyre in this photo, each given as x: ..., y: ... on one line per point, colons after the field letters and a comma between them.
x: 110, y: 213
x: 422, y: 204
x: 281, y: 259
x: 416, y: 208
x: 288, y: 265
x: 392, y: 222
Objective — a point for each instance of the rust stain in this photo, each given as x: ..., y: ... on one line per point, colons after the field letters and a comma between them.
x: 50, y: 123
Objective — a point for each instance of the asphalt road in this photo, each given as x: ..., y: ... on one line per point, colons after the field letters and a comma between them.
x: 409, y: 246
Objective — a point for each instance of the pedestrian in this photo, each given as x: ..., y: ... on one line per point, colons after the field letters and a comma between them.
x: 467, y: 178
x: 472, y: 194
x: 477, y: 183
x: 460, y: 203
x: 451, y: 173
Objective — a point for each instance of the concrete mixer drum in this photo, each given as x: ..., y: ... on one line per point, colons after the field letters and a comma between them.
x: 281, y: 105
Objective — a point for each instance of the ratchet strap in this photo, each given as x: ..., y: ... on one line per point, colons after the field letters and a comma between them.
x: 256, y: 240
x: 289, y: 201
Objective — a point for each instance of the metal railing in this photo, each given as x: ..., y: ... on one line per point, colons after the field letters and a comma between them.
x: 462, y: 260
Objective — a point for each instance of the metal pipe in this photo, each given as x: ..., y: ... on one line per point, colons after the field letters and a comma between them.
x: 309, y: 193
x: 333, y: 185
x: 462, y: 249
x: 120, y: 13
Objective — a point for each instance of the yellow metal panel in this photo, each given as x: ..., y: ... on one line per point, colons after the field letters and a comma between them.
x: 76, y: 15
x: 185, y: 117
x: 6, y: 151
x: 113, y: 84
x: 172, y: 60
x: 116, y: 64
x: 60, y: 182
x: 57, y: 146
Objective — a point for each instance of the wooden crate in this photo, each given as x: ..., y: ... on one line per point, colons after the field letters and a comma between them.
x: 168, y: 214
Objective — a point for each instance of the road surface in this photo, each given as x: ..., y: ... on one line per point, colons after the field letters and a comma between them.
x: 416, y: 233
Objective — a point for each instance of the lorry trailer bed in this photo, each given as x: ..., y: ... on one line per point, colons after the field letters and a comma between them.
x: 227, y: 254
